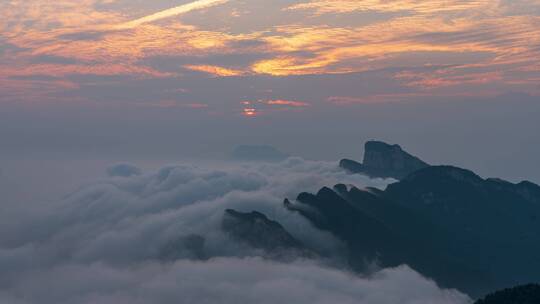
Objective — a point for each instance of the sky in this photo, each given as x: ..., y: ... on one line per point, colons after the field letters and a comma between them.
x: 455, y: 82
x: 99, y: 97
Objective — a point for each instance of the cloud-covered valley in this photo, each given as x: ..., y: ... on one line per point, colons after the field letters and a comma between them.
x: 104, y: 242
x: 229, y: 280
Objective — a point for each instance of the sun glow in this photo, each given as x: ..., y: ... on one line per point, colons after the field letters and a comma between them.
x: 250, y: 112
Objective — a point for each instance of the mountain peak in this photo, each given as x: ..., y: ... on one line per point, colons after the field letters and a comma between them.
x: 380, y: 145
x: 385, y: 161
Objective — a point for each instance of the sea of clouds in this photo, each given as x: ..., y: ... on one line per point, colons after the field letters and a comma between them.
x: 103, y: 243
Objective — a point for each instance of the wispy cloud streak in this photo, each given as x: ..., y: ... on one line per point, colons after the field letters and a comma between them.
x: 175, y: 11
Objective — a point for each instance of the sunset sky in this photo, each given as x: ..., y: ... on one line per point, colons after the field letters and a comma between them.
x: 244, y: 151
x: 179, y: 75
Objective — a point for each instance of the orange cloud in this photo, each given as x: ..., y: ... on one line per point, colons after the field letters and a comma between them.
x: 252, y: 108
x: 448, y: 77
x: 113, y: 42
x: 215, y: 70
x: 59, y: 70
x: 510, y: 40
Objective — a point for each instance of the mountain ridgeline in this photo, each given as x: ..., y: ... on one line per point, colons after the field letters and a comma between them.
x: 447, y: 223
x: 465, y: 232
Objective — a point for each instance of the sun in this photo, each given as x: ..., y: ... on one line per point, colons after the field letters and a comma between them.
x: 250, y: 112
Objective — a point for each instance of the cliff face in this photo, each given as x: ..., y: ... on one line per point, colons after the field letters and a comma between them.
x: 385, y: 161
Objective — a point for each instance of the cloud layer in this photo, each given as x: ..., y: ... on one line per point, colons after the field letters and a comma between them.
x: 225, y: 281
x: 103, y: 242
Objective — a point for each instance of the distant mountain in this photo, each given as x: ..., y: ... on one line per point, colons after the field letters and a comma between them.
x: 385, y: 161
x: 258, y: 153
x: 447, y: 223
x: 525, y: 294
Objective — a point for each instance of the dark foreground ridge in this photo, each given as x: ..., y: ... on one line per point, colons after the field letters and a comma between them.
x: 526, y: 294
x: 449, y: 224
x: 385, y: 161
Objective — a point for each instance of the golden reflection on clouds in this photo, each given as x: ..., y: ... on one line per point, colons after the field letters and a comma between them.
x: 215, y: 70
x: 258, y: 107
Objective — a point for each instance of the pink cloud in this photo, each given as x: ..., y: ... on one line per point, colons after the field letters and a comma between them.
x: 289, y: 103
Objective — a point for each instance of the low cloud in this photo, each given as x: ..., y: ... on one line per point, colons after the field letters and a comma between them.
x: 229, y: 280
x: 102, y: 243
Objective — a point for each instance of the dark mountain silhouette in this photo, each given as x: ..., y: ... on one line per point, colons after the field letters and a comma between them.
x: 448, y: 223
x: 379, y: 230
x: 384, y: 160
x: 258, y: 153
x: 256, y: 230
x: 496, y: 221
x: 525, y: 294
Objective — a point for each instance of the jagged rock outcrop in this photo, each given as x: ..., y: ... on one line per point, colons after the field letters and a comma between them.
x: 448, y: 223
x: 256, y: 230
x: 385, y: 161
